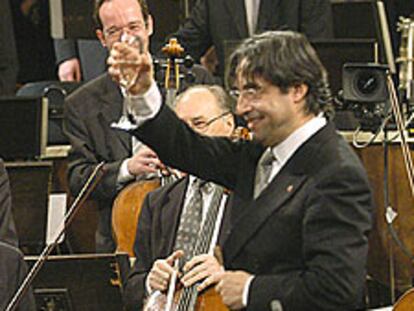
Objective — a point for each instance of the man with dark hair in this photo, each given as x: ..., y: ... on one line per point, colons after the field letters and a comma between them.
x: 84, y: 59
x: 207, y: 110
x: 90, y: 111
x: 302, y: 207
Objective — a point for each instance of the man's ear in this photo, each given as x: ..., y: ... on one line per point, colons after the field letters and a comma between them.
x: 229, y: 121
x: 299, y: 92
x: 150, y: 28
x: 101, y: 37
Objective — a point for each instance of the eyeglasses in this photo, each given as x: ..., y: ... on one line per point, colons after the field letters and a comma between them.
x: 202, y: 125
x: 114, y: 33
x: 251, y: 93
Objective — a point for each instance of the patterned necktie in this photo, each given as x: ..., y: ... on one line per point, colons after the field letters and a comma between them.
x: 190, y: 221
x: 263, y: 171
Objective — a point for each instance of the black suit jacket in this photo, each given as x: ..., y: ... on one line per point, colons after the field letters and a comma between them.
x: 212, y: 22
x: 157, y: 227
x: 89, y: 113
x: 7, y: 229
x: 91, y: 54
x: 305, y: 236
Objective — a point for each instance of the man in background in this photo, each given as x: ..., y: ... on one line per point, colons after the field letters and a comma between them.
x: 221, y: 24
x: 92, y: 109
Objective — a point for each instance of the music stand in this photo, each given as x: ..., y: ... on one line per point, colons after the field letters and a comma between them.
x: 80, y: 282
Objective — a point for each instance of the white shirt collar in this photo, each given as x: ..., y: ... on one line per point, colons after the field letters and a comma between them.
x: 284, y: 151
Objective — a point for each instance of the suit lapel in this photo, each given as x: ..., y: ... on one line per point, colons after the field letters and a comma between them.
x: 280, y: 190
x: 170, y: 215
x: 236, y: 9
x: 111, y: 112
x: 283, y: 187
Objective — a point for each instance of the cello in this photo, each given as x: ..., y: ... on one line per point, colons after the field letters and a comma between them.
x: 127, y: 205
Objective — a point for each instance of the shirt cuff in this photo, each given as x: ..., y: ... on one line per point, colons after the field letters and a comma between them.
x: 147, y: 286
x: 144, y: 107
x: 123, y: 174
x: 245, y: 298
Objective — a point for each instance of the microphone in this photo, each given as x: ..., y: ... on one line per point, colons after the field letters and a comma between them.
x: 86, y: 190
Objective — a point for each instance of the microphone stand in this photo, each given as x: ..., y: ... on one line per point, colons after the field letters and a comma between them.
x: 90, y: 184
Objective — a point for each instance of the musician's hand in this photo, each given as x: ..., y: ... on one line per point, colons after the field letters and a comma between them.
x: 161, y: 271
x: 199, y: 268
x: 230, y: 286
x: 141, y: 62
x: 145, y: 161
x: 69, y: 70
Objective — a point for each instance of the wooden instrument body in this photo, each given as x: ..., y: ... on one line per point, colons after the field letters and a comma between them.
x: 208, y: 300
x: 406, y: 302
x: 125, y: 213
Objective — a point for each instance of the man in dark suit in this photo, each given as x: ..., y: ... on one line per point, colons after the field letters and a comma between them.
x: 302, y: 206
x: 213, y: 22
x: 206, y: 109
x: 90, y: 112
x: 79, y: 60
x: 7, y: 229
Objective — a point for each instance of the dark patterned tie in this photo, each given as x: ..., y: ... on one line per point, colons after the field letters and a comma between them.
x: 190, y: 221
x: 263, y: 170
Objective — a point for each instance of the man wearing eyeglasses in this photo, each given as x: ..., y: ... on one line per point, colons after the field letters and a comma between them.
x: 302, y: 206
x: 92, y: 109
x: 207, y: 110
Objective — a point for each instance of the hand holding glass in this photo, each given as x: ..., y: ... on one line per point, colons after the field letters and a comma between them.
x: 128, y: 72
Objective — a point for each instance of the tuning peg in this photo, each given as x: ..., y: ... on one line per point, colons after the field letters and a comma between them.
x: 188, y: 62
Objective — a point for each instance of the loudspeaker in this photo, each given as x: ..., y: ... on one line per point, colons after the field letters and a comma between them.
x: 55, y: 92
x: 365, y: 82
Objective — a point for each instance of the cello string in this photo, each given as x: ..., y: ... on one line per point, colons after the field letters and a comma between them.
x: 189, y: 295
